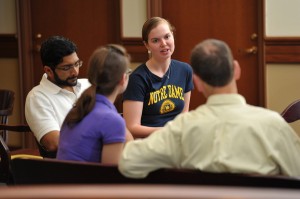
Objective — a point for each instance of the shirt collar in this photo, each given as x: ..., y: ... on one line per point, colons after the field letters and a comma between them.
x: 45, y: 82
x: 226, y: 99
x: 103, y: 99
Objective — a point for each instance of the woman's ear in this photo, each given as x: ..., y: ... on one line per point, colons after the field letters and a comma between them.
x: 123, y: 83
x: 124, y: 79
x: 237, y: 70
x: 146, y: 45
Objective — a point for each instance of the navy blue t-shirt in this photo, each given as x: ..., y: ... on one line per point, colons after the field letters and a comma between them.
x: 163, y: 98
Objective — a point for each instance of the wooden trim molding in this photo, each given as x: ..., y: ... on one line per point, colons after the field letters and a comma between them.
x: 25, y: 46
x: 282, y: 50
x: 136, y: 49
x: 8, y: 46
x: 261, y: 54
x: 25, y: 59
x: 154, y: 8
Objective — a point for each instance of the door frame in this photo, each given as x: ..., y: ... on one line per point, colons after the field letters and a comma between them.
x: 24, y: 35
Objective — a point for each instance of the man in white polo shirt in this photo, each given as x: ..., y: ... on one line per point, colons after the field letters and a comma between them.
x: 48, y: 103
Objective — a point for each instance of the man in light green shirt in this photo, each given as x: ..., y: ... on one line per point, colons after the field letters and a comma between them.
x: 223, y: 135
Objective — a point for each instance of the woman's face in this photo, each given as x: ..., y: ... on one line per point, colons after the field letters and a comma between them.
x: 161, y: 42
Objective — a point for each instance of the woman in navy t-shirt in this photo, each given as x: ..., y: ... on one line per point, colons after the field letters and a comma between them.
x: 159, y: 89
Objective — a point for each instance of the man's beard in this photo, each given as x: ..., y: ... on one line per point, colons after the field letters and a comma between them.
x: 59, y: 82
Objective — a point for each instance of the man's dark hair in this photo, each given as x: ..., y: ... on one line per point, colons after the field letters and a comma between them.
x: 54, y: 49
x: 212, y: 61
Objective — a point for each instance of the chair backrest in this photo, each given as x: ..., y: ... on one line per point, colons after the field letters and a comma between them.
x: 5, y: 170
x: 53, y: 171
x: 292, y: 112
x: 5, y: 153
x: 7, y: 98
x: 25, y: 128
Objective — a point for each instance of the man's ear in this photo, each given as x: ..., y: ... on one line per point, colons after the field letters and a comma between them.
x: 48, y: 71
x: 237, y: 70
x: 198, y: 83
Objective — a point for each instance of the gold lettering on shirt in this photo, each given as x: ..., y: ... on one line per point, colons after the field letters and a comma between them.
x: 169, y: 91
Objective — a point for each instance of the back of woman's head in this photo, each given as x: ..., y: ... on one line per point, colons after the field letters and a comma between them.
x: 106, y: 67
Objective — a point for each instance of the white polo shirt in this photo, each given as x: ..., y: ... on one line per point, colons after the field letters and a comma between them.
x: 47, y: 105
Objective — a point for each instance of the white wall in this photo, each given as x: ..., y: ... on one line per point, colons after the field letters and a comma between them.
x: 134, y: 14
x: 282, y: 18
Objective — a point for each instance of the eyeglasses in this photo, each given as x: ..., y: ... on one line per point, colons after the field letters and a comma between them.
x: 128, y: 71
x: 77, y: 64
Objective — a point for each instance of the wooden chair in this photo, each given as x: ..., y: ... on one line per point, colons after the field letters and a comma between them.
x: 53, y: 171
x: 5, y: 174
x: 292, y: 112
x: 7, y: 98
x: 6, y: 109
x: 24, y: 128
x: 7, y: 155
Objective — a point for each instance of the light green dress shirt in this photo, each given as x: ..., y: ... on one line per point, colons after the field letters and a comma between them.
x: 223, y: 135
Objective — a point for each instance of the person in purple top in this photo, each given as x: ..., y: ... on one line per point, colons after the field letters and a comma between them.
x: 93, y: 130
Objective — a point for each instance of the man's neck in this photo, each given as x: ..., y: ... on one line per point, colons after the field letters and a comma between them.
x: 230, y: 88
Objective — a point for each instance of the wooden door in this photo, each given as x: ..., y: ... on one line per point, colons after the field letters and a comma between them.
x: 234, y: 21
